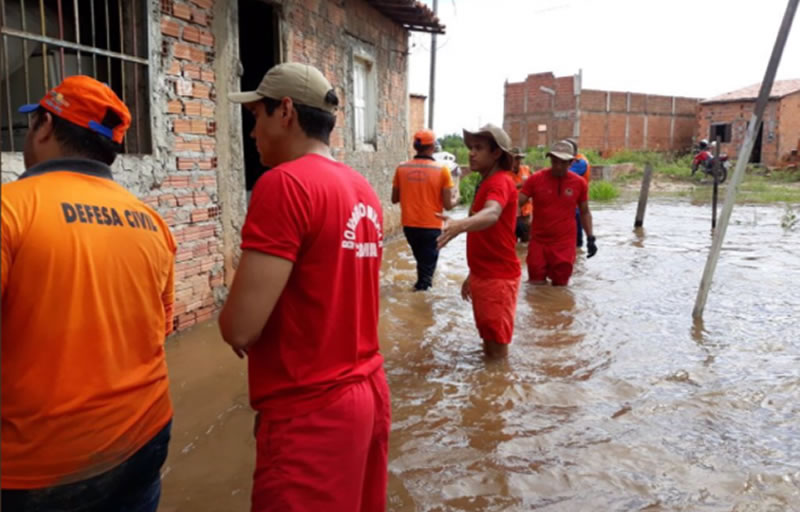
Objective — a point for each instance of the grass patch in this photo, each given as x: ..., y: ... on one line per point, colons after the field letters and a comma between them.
x: 603, y: 191
x: 467, y: 187
x: 751, y: 191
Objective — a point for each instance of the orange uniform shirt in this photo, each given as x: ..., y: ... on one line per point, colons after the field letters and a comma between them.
x: 87, y: 295
x: 420, y: 182
x: 523, y: 174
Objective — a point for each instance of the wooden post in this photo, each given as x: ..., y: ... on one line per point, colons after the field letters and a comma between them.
x: 648, y: 174
x: 744, y: 157
x: 715, y: 174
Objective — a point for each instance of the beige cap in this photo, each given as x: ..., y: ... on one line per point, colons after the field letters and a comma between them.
x: 493, y: 132
x: 305, y: 84
x: 517, y: 152
x: 562, y: 150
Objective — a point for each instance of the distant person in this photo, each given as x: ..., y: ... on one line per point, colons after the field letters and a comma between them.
x: 424, y: 188
x: 521, y: 172
x: 87, y: 287
x: 556, y: 193
x: 494, y: 271
x: 303, y: 307
x: 580, y: 166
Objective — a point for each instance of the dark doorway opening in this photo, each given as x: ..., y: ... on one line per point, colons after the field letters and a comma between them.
x: 258, y: 52
x: 755, y: 156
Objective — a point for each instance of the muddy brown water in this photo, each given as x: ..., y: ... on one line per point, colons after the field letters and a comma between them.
x: 612, y: 397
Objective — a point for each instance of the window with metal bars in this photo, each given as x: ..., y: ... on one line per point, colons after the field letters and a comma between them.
x: 45, y: 41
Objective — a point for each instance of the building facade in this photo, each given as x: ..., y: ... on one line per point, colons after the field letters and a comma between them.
x: 545, y: 108
x: 726, y: 116
x: 188, y: 153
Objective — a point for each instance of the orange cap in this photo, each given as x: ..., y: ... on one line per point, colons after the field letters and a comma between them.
x: 84, y: 101
x: 425, y: 137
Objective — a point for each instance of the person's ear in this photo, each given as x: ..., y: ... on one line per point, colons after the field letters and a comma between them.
x: 44, y: 128
x: 287, y: 111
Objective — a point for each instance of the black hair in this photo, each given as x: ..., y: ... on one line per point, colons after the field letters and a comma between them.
x: 506, y: 161
x: 80, y: 141
x: 315, y: 123
x: 420, y: 147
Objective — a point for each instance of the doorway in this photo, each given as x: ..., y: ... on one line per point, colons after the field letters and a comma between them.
x: 258, y: 52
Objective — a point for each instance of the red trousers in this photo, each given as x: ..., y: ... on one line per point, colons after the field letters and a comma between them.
x: 334, y: 459
x: 551, y: 260
x: 494, y: 304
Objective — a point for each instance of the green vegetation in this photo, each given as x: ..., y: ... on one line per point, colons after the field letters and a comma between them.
x: 789, y: 221
x: 603, y: 191
x: 752, y: 190
x: 454, y: 144
x: 467, y: 187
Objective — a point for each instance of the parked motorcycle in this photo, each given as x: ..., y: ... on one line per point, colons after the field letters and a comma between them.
x: 704, y: 160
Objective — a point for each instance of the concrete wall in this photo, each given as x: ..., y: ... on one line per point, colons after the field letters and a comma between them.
x: 738, y: 115
x: 416, y: 116
x: 602, y: 120
x: 195, y: 174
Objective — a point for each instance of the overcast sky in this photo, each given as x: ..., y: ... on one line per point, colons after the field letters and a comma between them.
x: 694, y: 48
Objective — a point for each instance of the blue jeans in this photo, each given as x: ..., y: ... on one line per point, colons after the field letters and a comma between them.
x: 423, y: 245
x: 133, y: 486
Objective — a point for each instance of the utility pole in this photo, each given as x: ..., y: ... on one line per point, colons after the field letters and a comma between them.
x: 744, y: 157
x: 432, y: 91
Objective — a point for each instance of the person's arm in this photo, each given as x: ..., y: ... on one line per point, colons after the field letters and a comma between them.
x: 396, y: 186
x: 449, y: 198
x: 586, y: 222
x: 522, y: 198
x: 168, y: 298
x: 484, y: 219
x: 274, y: 230
x: 449, y: 190
x: 257, y: 286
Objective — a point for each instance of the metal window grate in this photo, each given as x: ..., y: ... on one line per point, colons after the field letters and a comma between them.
x: 45, y: 41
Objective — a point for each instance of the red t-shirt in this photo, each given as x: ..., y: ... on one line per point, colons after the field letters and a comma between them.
x: 554, y: 204
x: 491, y: 253
x: 323, y: 333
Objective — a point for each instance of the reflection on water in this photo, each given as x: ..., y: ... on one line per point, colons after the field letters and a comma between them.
x: 612, y: 398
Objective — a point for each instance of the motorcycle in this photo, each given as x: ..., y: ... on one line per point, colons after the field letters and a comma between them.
x: 704, y: 161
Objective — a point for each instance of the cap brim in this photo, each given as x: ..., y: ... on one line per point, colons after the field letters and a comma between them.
x: 27, y: 109
x: 561, y: 156
x: 244, y: 97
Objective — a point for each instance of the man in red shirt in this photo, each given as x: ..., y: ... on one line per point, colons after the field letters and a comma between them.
x: 494, y: 270
x: 556, y: 193
x: 303, y: 307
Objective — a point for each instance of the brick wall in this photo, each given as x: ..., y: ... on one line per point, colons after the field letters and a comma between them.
x: 609, y: 121
x: 789, y: 126
x: 328, y: 35
x: 738, y: 114
x: 193, y: 53
x: 187, y: 198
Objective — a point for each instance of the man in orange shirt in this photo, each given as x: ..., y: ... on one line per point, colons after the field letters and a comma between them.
x: 520, y: 173
x: 424, y: 188
x: 87, y: 290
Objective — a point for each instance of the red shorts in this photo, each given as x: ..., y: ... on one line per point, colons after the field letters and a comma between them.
x: 333, y: 459
x: 552, y: 260
x: 494, y: 304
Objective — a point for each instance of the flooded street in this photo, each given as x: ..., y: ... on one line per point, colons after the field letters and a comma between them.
x: 612, y: 399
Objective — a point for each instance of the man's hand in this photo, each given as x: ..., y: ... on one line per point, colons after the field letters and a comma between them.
x: 240, y: 352
x: 591, y: 246
x: 450, y: 230
x: 466, y: 290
